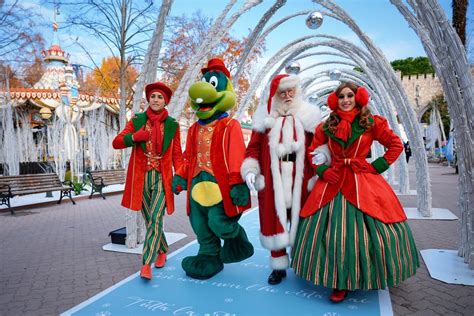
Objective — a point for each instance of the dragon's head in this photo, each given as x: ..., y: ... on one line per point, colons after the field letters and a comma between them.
x: 214, y: 93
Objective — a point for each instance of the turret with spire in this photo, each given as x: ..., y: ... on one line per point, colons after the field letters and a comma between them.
x: 57, y: 64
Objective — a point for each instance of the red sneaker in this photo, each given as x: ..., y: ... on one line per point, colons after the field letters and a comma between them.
x: 145, y: 272
x: 160, y: 260
x: 338, y: 296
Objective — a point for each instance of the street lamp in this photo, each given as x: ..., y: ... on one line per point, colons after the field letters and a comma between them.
x: 46, y: 115
x: 83, y: 133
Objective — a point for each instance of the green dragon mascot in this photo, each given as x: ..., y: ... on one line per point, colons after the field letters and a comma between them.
x: 216, y: 194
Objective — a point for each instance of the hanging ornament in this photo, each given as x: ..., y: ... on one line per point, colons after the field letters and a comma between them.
x: 314, y: 20
x: 293, y: 68
x: 335, y: 74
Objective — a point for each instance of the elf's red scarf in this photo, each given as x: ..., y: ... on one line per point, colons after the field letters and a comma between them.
x: 344, y: 128
x: 156, y: 118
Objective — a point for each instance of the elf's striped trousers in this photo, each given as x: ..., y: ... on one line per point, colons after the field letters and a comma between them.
x: 153, y: 209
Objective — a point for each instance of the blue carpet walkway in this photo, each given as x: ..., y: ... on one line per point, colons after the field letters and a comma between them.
x: 240, y: 289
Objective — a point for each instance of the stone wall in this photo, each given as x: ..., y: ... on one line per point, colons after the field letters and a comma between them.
x: 421, y: 89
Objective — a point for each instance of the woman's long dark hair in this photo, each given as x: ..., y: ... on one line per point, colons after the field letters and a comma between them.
x: 364, y: 115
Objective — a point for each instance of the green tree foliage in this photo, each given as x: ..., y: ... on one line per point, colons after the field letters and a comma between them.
x: 413, y: 66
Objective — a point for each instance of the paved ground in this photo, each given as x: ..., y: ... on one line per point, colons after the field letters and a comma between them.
x: 51, y: 257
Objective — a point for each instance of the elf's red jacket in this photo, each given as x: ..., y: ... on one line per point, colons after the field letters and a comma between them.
x: 172, y: 157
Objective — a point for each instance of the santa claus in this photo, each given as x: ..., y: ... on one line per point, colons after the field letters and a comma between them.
x: 276, y: 165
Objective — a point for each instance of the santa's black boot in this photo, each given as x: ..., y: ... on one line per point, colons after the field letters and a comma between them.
x: 276, y: 276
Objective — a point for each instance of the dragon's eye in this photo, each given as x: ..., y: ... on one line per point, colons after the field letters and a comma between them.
x: 203, y: 79
x: 213, y: 80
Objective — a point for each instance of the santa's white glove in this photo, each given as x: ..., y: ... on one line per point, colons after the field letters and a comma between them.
x: 250, y: 181
x: 318, y: 158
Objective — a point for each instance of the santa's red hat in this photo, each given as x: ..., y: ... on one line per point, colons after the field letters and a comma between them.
x: 281, y: 82
x: 158, y: 87
x: 216, y: 64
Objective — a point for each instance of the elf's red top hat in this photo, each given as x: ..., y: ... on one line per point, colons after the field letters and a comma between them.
x: 161, y: 88
x: 218, y: 65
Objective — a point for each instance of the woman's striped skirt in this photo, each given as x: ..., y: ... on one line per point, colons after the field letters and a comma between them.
x: 341, y: 247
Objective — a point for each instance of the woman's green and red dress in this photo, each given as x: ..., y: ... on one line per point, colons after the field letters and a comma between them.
x: 353, y: 234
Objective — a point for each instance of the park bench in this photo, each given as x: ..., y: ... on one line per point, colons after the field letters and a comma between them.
x: 11, y: 186
x: 102, y: 178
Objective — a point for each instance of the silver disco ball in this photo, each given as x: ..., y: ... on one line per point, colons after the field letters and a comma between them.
x: 314, y: 20
x: 335, y: 74
x: 293, y: 68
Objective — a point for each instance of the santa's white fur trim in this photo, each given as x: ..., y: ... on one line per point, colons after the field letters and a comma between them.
x: 297, y: 145
x: 268, y: 122
x: 285, y: 133
x: 309, y: 116
x: 280, y: 263
x: 275, y: 242
x: 249, y: 165
x: 287, y: 175
x: 291, y: 81
x: 281, y: 150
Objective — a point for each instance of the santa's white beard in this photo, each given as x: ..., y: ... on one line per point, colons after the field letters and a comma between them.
x: 282, y: 108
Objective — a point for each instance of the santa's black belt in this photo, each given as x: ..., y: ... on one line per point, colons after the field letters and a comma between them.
x: 288, y: 157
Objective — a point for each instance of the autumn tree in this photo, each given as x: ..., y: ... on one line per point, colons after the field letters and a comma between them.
x: 33, y: 72
x: 7, y: 73
x: 105, y: 80
x: 182, y: 39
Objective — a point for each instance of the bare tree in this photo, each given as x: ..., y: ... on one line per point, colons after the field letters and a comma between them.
x: 19, y: 41
x: 122, y: 25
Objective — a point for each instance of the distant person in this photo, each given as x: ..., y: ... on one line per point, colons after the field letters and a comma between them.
x: 353, y: 234
x: 156, y: 148
x: 407, y: 147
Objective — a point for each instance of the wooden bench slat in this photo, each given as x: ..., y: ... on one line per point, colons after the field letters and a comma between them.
x: 31, y: 184
x: 33, y: 191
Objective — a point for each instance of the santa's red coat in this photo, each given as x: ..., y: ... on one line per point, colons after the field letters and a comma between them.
x: 263, y: 159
